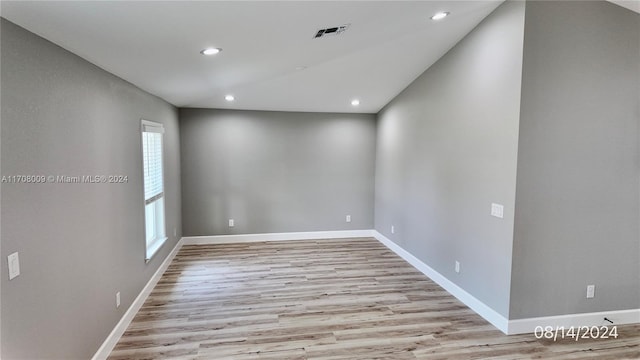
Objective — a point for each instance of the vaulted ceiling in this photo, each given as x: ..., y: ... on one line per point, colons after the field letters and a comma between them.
x: 270, y: 59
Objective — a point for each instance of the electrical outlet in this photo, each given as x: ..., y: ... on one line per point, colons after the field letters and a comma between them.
x: 175, y: 232
x: 118, y: 299
x: 497, y: 210
x: 591, y: 291
x: 231, y: 223
x: 393, y: 229
x: 457, y: 266
x: 348, y: 218
x: 13, y: 261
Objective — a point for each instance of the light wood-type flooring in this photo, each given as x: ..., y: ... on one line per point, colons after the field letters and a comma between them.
x: 324, y: 300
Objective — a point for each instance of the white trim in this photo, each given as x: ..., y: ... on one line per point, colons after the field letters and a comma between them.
x: 619, y: 317
x: 151, y: 126
x: 518, y: 326
x: 476, y: 305
x: 244, y: 238
x: 156, y: 245
x: 150, y: 251
x: 111, y: 340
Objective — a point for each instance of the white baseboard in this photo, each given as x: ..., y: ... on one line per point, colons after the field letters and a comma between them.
x: 244, y: 238
x: 476, y: 305
x: 618, y: 317
x: 519, y: 326
x: 111, y: 340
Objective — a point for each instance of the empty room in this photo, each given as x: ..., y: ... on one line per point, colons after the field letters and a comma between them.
x: 320, y: 180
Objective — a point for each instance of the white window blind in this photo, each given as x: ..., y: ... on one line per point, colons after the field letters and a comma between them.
x: 152, y: 150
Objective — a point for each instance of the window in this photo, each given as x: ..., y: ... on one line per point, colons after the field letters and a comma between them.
x: 152, y: 159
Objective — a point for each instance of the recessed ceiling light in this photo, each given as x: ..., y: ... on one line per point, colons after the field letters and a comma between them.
x: 210, y: 51
x: 355, y: 102
x: 229, y: 98
x: 439, y: 16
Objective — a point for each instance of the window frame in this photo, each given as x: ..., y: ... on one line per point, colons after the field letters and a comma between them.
x: 152, y: 248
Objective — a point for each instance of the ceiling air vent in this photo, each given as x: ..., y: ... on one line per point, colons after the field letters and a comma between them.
x: 337, y: 30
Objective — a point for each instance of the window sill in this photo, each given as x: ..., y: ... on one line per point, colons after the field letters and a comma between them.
x: 153, y: 249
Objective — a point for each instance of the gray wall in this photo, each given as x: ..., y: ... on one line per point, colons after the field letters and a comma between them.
x: 577, y: 190
x: 447, y: 149
x: 78, y: 243
x: 276, y: 171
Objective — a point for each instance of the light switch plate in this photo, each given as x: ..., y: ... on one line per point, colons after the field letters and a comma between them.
x: 14, y: 265
x: 497, y: 210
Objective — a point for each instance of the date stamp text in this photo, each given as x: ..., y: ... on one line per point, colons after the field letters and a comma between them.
x: 576, y: 333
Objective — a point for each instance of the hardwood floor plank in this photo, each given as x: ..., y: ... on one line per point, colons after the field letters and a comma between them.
x: 327, y: 299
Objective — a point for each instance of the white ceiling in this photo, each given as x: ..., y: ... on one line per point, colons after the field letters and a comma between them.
x: 155, y: 45
x: 633, y: 5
